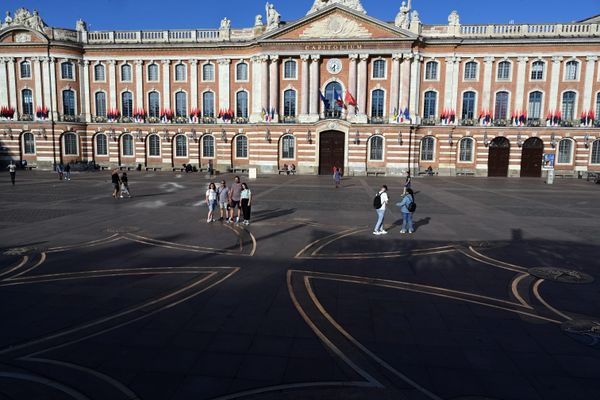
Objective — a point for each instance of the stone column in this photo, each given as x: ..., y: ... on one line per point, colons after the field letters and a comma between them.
x: 37, y: 76
x: 46, y: 81
x: 193, y: 84
x: 256, y: 99
x: 454, y: 90
x: 520, y: 93
x: 3, y: 83
x: 588, y: 103
x: 264, y: 83
x: 274, y: 87
x: 112, y: 84
x: 139, y: 83
x: 415, y: 79
x: 12, y: 83
x: 486, y: 96
x: 362, y: 89
x: 448, y: 83
x: 53, y: 91
x: 314, y: 87
x: 304, y: 92
x: 224, y: 89
x: 395, y: 86
x: 554, y: 82
x: 84, y: 77
x: 404, y: 81
x: 352, y: 82
x: 166, y: 84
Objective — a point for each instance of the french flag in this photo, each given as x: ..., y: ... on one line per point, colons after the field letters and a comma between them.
x: 338, y: 98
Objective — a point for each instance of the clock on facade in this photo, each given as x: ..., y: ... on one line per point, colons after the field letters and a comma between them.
x: 334, y: 66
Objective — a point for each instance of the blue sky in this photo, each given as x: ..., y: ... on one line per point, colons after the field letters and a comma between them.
x: 160, y: 14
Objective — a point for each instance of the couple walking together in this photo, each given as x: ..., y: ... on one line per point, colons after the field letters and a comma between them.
x: 228, y: 200
x: 407, y: 207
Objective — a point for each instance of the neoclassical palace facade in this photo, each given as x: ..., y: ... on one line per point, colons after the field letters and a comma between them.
x: 336, y: 87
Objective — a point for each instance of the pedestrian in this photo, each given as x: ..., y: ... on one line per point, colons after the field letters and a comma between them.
x: 68, y: 172
x: 125, y: 185
x: 380, y: 204
x: 407, y: 207
x: 12, y: 169
x: 223, y: 196
x: 246, y: 197
x: 235, y: 196
x: 407, y: 182
x: 116, y: 182
x: 211, y: 201
x: 60, y: 171
x: 337, y: 177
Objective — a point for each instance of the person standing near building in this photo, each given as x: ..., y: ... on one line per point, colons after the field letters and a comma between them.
x: 407, y: 182
x: 211, y: 201
x: 12, y: 169
x: 60, y: 171
x: 407, y: 207
x: 235, y: 196
x: 337, y: 177
x: 246, y: 197
x: 68, y: 172
x: 125, y: 185
x: 116, y: 182
x: 223, y: 196
x: 380, y: 204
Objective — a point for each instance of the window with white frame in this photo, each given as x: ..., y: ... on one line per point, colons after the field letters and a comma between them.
x: 595, y: 152
x: 537, y: 70
x: 468, y: 105
x: 127, y: 104
x: 208, y: 146
x: 180, y: 146
x: 127, y: 145
x: 288, y: 144
x: 470, y: 71
x: 377, y: 103
x: 27, y: 102
x: 181, y: 104
x: 28, y: 143
x: 289, y: 103
x: 100, y: 102
x: 208, y: 104
x: 126, y: 73
x: 99, y: 74
x: 241, y: 146
x: 572, y: 70
x: 427, y: 148
x: 466, y: 150
x: 154, y: 146
x: 504, y: 70
x: 241, y: 101
x: 501, y: 106
x: 70, y: 144
x: 430, y: 104
x: 431, y: 71
x: 101, y: 145
x: 25, y: 67
x: 66, y: 69
x: 565, y: 151
x: 153, y: 74
x: 535, y: 105
x: 208, y: 72
x: 154, y: 104
x: 376, y: 148
x: 180, y: 73
x: 597, y: 106
x: 568, y: 105
x: 68, y: 97
x: 241, y: 72
x: 290, y: 70
x: 379, y: 69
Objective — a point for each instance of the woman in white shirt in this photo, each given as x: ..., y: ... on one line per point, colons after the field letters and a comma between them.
x: 246, y: 197
x: 211, y: 201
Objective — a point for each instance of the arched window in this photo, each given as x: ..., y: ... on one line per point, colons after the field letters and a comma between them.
x: 154, y: 146
x: 565, y: 151
x: 70, y: 144
x: 377, y: 103
x: 27, y: 102
x: 127, y: 104
x: 289, y: 103
x: 427, y: 148
x: 572, y: 70
x: 595, y: 152
x: 180, y: 73
x: 504, y: 70
x: 154, y: 104
x: 288, y: 144
x: 25, y: 70
x: 568, y: 106
x: 429, y: 105
x: 501, y: 105
x: 470, y: 71
x: 331, y: 90
x: 66, y: 69
x: 68, y: 97
x: 468, y: 105
x: 127, y: 143
x: 208, y: 146
x: 180, y: 146
x: 376, y: 148
x: 208, y: 72
x: 379, y: 69
x: 241, y: 146
x: 153, y: 73
x: 126, y: 73
x: 535, y: 105
x: 241, y: 104
x: 537, y: 70
x: 241, y: 72
x: 290, y: 70
x: 181, y: 104
x: 208, y: 104
x: 101, y: 145
x: 100, y: 101
x: 431, y: 70
x: 28, y: 143
x: 99, y: 74
x: 466, y: 150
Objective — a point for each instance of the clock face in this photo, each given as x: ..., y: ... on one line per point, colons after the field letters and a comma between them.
x: 334, y: 66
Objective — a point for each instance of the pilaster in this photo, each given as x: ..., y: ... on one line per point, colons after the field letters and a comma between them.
x: 139, y: 83
x: 304, y: 91
x: 395, y: 86
x: 112, y: 83
x: 487, y: 83
x: 166, y: 95
x: 314, y: 87
x: 274, y: 87
x: 520, y: 94
x: 224, y: 84
x: 554, y: 82
x: 589, y: 84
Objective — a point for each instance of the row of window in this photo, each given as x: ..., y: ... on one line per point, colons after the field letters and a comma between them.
x: 503, y: 70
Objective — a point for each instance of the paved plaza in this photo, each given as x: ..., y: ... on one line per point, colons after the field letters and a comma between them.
x: 495, y: 296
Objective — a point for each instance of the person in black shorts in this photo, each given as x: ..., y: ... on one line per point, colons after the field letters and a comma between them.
x: 235, y: 197
x: 116, y: 182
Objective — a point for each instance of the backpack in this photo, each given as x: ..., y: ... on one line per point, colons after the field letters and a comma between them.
x: 412, y: 207
x: 377, y: 201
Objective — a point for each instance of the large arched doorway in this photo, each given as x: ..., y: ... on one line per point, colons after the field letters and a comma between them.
x: 531, y: 158
x: 331, y: 152
x: 499, y: 157
x: 333, y: 109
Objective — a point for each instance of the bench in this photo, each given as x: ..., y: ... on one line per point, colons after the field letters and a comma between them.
x: 126, y: 167
x: 238, y: 170
x: 154, y: 169
x: 180, y: 169
x: 103, y: 167
x: 564, y: 175
x: 287, y: 172
x: 375, y: 173
x: 465, y: 172
x: 424, y: 172
x: 30, y: 167
x: 593, y: 176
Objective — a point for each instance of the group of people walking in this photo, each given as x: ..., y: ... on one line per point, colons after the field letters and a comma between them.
x: 120, y: 184
x: 228, y: 200
x: 407, y: 206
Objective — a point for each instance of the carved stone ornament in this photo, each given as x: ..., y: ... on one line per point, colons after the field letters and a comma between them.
x: 352, y: 4
x: 22, y: 38
x: 336, y: 26
x: 25, y: 18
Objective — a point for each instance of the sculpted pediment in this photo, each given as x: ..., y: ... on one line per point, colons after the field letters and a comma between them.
x: 334, y: 27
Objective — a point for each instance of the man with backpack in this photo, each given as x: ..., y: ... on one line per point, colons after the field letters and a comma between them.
x: 408, y: 206
x: 380, y: 203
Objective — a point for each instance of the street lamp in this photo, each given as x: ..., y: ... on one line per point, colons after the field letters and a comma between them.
x: 450, y: 139
x: 268, y: 136
x: 586, y: 141
x: 138, y: 135
x: 519, y: 140
x: 224, y: 135
x: 400, y: 141
x: 486, y: 141
x: 309, y: 137
x: 357, y: 137
x: 166, y: 136
x: 553, y: 140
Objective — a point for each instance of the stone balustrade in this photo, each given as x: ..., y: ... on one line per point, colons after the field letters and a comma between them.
x: 163, y: 36
x: 514, y: 30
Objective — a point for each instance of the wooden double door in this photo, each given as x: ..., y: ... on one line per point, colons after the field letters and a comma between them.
x: 499, y: 157
x: 531, y: 158
x: 332, y: 146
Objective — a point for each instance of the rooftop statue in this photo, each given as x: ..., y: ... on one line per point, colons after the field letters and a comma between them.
x: 24, y: 18
x: 353, y: 4
x: 273, y: 17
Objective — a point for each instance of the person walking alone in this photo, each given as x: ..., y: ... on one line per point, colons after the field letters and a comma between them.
x: 380, y: 204
x: 407, y: 182
x: 68, y: 172
x: 337, y: 177
x: 211, y: 202
x: 407, y: 207
x: 246, y: 197
x: 12, y: 169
